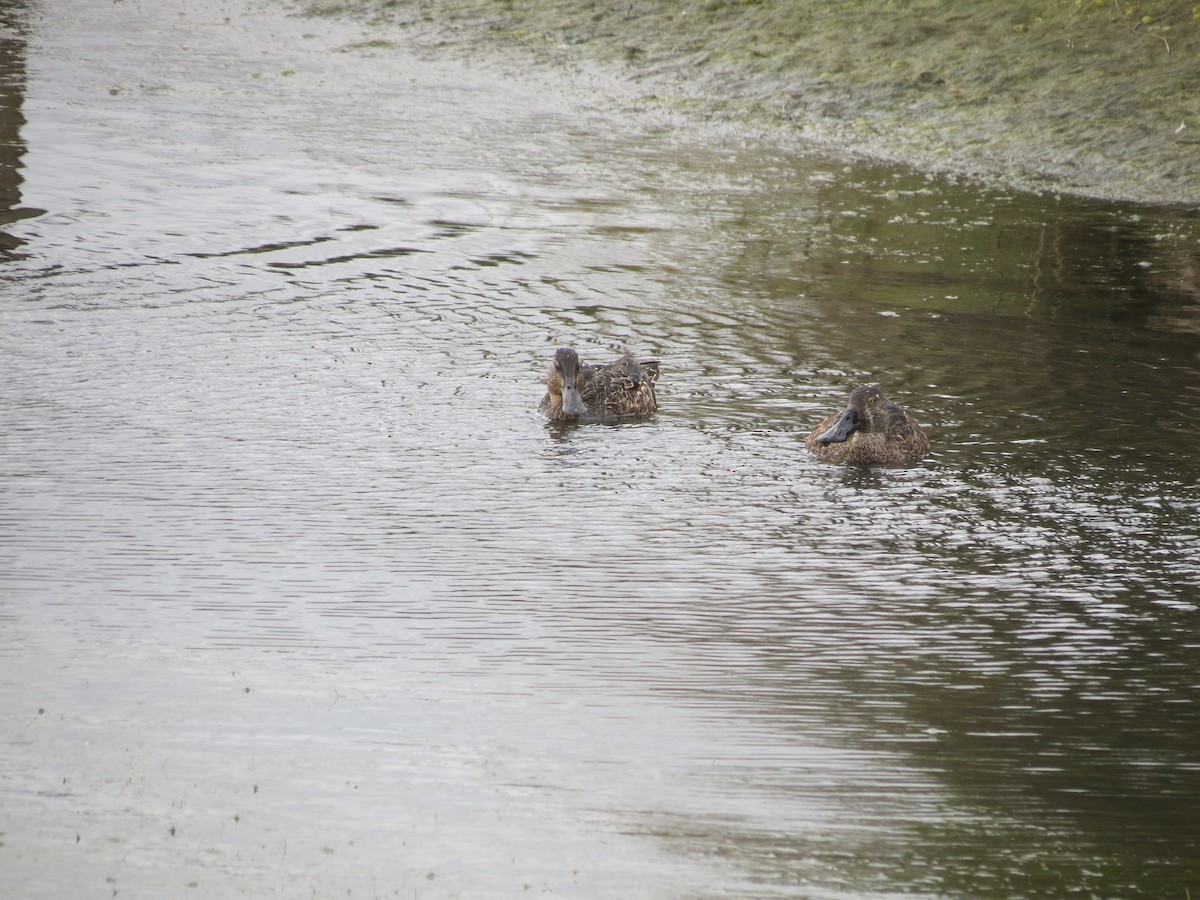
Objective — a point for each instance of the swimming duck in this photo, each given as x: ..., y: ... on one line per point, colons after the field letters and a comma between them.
x: 618, y: 389
x: 871, y: 431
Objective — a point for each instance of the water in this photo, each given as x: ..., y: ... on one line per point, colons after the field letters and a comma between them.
x: 301, y: 597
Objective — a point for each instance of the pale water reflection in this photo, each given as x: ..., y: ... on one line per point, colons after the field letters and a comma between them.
x: 300, y: 595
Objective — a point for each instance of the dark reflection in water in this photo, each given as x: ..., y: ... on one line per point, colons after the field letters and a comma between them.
x: 12, y: 82
x: 272, y: 458
x: 892, y: 238
x: 1038, y: 584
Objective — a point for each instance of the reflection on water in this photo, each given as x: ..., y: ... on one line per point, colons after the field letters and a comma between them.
x: 300, y: 591
x: 12, y: 147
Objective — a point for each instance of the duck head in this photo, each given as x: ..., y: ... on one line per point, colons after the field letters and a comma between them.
x: 566, y: 381
x: 869, y: 411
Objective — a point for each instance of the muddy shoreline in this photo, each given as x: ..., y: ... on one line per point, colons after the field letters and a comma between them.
x: 1087, y: 99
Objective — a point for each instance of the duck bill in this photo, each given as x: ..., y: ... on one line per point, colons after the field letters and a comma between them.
x: 572, y: 404
x: 842, y: 429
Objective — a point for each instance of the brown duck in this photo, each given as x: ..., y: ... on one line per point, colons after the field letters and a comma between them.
x: 871, y: 431
x: 619, y: 389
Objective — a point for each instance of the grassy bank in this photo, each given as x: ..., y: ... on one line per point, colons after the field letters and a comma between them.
x: 1082, y: 96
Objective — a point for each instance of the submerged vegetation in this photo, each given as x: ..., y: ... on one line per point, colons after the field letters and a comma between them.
x: 1097, y: 97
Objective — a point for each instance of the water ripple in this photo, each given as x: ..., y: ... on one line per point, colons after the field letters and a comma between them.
x: 283, y: 409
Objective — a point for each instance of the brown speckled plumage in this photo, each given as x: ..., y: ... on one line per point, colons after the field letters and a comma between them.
x: 871, y: 431
x: 620, y: 389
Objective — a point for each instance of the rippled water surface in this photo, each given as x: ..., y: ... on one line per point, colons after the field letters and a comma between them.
x: 301, y: 597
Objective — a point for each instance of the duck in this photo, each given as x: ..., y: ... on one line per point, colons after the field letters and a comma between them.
x: 872, y: 430
x: 620, y: 389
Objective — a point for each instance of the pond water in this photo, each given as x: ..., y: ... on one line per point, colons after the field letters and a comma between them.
x: 301, y: 597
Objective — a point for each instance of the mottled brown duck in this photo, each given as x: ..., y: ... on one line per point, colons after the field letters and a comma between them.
x: 871, y: 431
x: 576, y: 391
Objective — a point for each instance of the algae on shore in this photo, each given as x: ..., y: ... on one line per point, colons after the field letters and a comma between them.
x: 1092, y: 97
